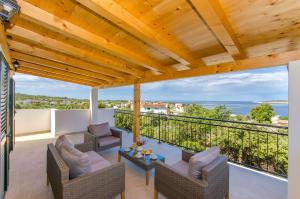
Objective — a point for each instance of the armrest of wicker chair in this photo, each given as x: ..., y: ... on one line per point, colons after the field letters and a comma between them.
x: 103, y: 184
x: 90, y: 138
x: 116, y: 132
x: 216, y: 175
x: 175, y: 185
x: 186, y: 155
x: 85, y: 147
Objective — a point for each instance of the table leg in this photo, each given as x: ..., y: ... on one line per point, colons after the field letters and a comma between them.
x: 147, y: 177
x: 119, y: 157
x: 155, y: 194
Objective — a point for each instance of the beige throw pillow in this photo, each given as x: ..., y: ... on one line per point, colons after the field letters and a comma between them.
x: 63, y: 141
x: 78, y: 162
x: 100, y: 130
x: 200, y: 160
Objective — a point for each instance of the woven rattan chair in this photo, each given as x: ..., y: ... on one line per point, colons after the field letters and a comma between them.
x: 173, y: 184
x: 103, y: 143
x: 106, y: 183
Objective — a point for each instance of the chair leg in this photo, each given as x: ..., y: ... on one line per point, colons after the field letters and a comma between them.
x: 123, y: 195
x: 147, y: 177
x: 227, y: 196
x: 155, y: 194
x: 119, y: 157
x: 47, y: 181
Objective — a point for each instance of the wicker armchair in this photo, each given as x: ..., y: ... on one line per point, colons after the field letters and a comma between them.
x: 176, y: 185
x: 103, y: 143
x: 105, y: 183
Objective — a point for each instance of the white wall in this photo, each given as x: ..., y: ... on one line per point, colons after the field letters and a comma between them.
x: 32, y: 120
x: 106, y: 115
x: 69, y: 121
x: 294, y: 131
x: 59, y: 121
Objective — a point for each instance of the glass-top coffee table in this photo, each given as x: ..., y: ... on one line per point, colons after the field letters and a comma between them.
x: 145, y: 162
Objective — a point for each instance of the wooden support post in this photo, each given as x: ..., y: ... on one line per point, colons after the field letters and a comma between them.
x: 136, y: 111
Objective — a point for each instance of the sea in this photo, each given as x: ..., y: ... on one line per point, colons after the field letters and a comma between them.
x: 240, y: 108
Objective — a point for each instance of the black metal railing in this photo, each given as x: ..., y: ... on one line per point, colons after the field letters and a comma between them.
x: 259, y: 146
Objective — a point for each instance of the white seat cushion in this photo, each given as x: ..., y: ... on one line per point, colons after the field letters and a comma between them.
x: 94, y: 157
x: 108, y: 140
x: 97, y: 161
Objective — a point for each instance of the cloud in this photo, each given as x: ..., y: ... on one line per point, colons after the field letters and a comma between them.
x: 250, y: 85
x: 254, y: 85
x: 42, y: 86
x: 21, y: 77
x: 241, y: 79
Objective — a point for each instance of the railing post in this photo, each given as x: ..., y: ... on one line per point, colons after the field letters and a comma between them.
x: 159, y: 128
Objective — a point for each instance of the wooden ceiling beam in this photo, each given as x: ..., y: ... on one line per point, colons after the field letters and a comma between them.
x: 54, y: 76
x: 46, y: 54
x: 69, y: 74
x: 214, y: 16
x: 56, y: 24
x: 240, y: 65
x: 119, y: 16
x: 42, y: 41
x: 52, y: 64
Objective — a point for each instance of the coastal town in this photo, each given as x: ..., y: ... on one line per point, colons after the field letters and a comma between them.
x: 24, y: 101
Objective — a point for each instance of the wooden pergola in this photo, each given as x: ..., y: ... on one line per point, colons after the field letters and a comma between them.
x: 109, y: 43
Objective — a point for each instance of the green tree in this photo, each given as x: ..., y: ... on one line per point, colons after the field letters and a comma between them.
x: 220, y: 113
x: 262, y: 113
x: 101, y: 105
x: 196, y: 110
x: 18, y: 106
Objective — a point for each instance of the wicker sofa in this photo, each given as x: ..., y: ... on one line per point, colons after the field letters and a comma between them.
x: 174, y: 183
x: 105, y: 183
x: 105, y: 142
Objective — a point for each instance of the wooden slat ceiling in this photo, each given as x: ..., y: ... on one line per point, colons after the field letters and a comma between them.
x: 119, y: 42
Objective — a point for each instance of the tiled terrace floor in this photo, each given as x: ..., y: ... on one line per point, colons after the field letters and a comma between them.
x: 28, y: 172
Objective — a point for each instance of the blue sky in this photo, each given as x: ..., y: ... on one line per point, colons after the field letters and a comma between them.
x: 254, y: 85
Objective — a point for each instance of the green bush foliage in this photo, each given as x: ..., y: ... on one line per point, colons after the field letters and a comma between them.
x: 262, y: 147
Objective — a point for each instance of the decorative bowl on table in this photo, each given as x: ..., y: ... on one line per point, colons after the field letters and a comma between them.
x: 139, y: 155
x: 146, y: 152
x: 127, y: 149
x: 139, y: 148
x: 153, y: 156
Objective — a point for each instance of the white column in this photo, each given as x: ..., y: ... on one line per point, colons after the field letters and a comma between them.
x: 53, y: 122
x: 294, y: 130
x: 94, y: 105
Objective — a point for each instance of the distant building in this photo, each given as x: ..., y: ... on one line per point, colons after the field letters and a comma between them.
x: 155, y: 107
x: 283, y: 122
x: 66, y: 102
x: 53, y: 103
x: 27, y: 101
x: 178, y: 108
x: 275, y: 119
